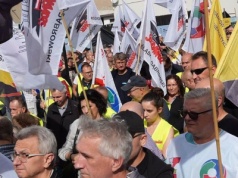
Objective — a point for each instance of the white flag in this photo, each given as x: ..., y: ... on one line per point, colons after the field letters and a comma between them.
x: 163, y: 3
x: 129, y: 47
x: 196, y: 29
x: 177, y: 27
x: 131, y: 20
x: 116, y: 44
x: 64, y: 4
x: 150, y: 50
x: 14, y: 55
x: 102, y: 75
x: 118, y: 24
x: 85, y: 27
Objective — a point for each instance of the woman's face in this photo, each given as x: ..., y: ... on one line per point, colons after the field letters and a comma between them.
x: 93, y: 107
x: 151, y: 113
x: 172, y: 87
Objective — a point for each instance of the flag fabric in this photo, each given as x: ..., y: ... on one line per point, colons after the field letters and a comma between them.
x: 85, y: 27
x: 177, y: 27
x: 163, y: 3
x: 45, y: 35
x: 196, y: 29
x: 64, y: 4
x: 217, y: 31
x: 131, y: 19
x: 118, y: 24
x: 227, y: 70
x: 150, y: 50
x: 14, y: 55
x: 116, y: 43
x: 129, y: 47
x: 102, y: 75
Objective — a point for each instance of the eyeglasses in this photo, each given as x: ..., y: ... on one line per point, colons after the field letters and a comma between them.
x: 193, y: 115
x: 88, y: 73
x: 24, y: 156
x: 130, y: 91
x: 198, y: 71
x: 136, y: 135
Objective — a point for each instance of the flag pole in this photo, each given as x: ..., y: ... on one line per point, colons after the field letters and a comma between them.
x: 214, y: 108
x: 76, y: 67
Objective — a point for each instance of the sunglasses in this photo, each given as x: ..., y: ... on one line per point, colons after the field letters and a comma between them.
x: 193, y: 115
x: 198, y: 71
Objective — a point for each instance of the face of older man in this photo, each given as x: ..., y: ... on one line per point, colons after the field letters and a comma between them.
x: 33, y: 165
x: 16, y: 108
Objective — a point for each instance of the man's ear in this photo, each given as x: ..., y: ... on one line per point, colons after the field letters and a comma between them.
x: 48, y: 159
x: 117, y: 164
x: 213, y: 69
x: 143, y: 139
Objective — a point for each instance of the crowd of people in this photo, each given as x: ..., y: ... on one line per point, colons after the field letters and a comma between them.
x: 152, y: 135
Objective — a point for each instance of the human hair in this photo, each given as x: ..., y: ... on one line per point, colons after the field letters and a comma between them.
x: 96, y: 98
x: 6, y: 129
x: 120, y: 56
x: 116, y: 141
x: 85, y: 64
x: 202, y: 93
x: 204, y: 56
x: 46, y: 139
x: 158, y: 90
x: 155, y: 98
x: 21, y: 100
x: 179, y: 82
x: 63, y: 90
x: 102, y: 90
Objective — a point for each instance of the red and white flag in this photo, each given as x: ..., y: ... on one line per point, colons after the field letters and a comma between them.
x: 14, y: 55
x: 85, y: 27
x: 129, y: 47
x: 177, y: 28
x: 102, y: 74
x: 116, y: 44
x: 150, y: 50
x: 44, y: 34
x: 196, y: 29
x: 131, y: 19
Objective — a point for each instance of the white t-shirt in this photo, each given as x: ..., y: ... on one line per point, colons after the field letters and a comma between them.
x: 6, y: 168
x: 191, y: 160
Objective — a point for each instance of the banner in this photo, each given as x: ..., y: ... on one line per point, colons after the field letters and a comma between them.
x: 85, y: 27
x: 102, y: 75
x: 217, y: 31
x: 116, y: 44
x: 150, y: 50
x: 14, y: 57
x: 196, y: 29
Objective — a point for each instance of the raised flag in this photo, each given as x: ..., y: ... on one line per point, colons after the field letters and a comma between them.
x: 85, y: 27
x: 177, y: 27
x: 119, y: 25
x: 196, y: 29
x: 131, y: 19
x: 102, y: 75
x: 217, y: 31
x: 163, y: 3
x: 129, y: 47
x: 116, y: 44
x: 45, y: 35
x: 227, y: 70
x: 16, y: 64
x: 150, y: 50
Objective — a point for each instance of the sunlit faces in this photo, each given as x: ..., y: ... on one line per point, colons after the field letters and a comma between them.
x: 136, y: 93
x: 16, y: 108
x: 186, y: 61
x: 34, y: 166
x: 120, y: 65
x: 59, y: 97
x: 87, y: 73
x: 172, y: 87
x: 151, y: 113
x: 90, y: 162
x: 199, y: 64
x: 93, y: 107
x: 90, y: 56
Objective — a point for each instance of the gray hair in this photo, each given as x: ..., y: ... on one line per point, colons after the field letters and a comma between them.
x: 116, y: 141
x: 202, y: 93
x: 46, y: 139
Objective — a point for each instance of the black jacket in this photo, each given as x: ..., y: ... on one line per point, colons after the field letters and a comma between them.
x: 58, y: 124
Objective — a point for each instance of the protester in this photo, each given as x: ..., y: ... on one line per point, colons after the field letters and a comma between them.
x: 89, y: 58
x: 194, y: 153
x: 186, y: 61
x: 71, y: 72
x: 121, y: 75
x: 174, y: 98
x: 35, y: 152
x: 187, y: 79
x: 147, y: 163
x: 110, y: 60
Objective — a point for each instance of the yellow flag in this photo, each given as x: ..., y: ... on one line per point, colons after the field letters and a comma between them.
x: 227, y: 68
x: 217, y: 31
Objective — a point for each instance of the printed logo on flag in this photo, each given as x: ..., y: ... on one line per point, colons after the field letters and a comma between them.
x: 113, y: 99
x: 174, y: 162
x: 131, y: 54
x: 210, y: 169
x: 82, y: 23
x: 124, y: 25
x: 180, y: 19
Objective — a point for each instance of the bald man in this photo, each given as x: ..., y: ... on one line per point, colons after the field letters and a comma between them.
x: 187, y: 79
x: 138, y: 109
x: 186, y: 60
x: 226, y: 121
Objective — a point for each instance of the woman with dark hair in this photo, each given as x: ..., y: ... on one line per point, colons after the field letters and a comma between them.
x: 98, y: 106
x: 174, y: 98
x: 158, y: 128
